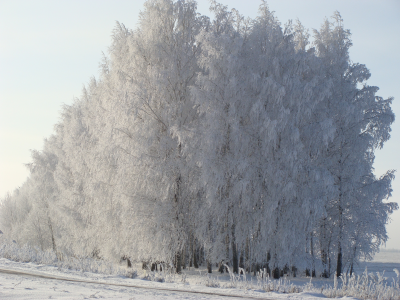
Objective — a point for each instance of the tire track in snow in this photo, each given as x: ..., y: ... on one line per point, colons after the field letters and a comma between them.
x: 44, y: 276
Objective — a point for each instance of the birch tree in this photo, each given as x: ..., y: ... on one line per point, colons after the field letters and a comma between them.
x: 356, y: 113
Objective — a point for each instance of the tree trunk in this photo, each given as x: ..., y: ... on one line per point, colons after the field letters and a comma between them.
x: 178, y: 262
x: 324, y: 250
x: 241, y: 260
x: 339, y: 255
x: 235, y: 258
x: 352, y: 261
x: 191, y: 252
x: 294, y: 271
x: 235, y: 262
x: 339, y: 261
x: 184, y: 258
x: 247, y: 256
x: 221, y: 267
x: 53, y: 241
x: 201, y: 256
x: 340, y: 237
x: 312, y: 256
x: 276, y: 273
x: 209, y: 266
x: 256, y: 268
x: 195, y: 255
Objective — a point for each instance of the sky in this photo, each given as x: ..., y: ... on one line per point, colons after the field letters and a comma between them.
x: 50, y: 49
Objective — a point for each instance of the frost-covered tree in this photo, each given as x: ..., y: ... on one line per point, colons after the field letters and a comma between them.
x: 154, y: 67
x: 223, y: 140
x: 255, y: 103
x: 30, y: 213
x: 362, y: 124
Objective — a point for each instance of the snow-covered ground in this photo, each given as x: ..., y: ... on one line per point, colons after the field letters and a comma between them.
x: 386, y: 260
x: 83, y: 285
x: 48, y: 282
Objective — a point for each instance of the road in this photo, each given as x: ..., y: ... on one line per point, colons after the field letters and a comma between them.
x: 15, y: 284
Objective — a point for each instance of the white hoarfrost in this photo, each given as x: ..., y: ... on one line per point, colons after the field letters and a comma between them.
x: 207, y: 142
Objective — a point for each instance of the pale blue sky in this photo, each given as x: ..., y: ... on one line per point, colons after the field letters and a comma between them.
x: 49, y: 49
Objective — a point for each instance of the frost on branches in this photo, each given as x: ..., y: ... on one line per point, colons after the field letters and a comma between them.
x: 214, y: 141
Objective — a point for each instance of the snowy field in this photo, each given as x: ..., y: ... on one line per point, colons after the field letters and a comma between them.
x: 49, y: 282
x: 386, y: 260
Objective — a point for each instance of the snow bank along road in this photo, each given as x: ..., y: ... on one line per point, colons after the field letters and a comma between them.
x: 27, y: 284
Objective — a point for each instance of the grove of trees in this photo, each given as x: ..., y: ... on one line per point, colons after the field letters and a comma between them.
x: 215, y: 141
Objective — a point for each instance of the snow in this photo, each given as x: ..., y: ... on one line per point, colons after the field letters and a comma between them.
x: 70, y: 284
x: 386, y: 260
x: 84, y: 285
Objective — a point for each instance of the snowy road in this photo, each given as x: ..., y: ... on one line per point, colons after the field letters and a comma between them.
x: 30, y: 281
x: 34, y: 281
x: 25, y: 285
